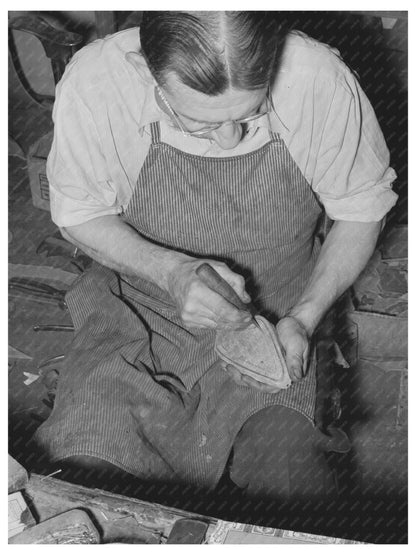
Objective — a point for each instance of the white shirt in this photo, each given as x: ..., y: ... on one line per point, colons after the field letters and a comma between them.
x: 104, y: 106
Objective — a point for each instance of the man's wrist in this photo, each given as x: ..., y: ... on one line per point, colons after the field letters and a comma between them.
x: 307, y: 317
x: 171, y: 261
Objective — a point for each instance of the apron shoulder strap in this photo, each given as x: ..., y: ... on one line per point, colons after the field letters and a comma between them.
x: 274, y: 137
x: 155, y: 132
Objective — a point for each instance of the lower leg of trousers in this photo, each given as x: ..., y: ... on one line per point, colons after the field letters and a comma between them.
x: 277, y: 463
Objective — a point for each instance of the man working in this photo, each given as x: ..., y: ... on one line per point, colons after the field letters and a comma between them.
x: 206, y: 137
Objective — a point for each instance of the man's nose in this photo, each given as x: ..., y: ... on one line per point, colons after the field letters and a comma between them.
x: 228, y: 135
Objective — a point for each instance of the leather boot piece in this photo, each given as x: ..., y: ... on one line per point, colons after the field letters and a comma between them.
x: 256, y: 352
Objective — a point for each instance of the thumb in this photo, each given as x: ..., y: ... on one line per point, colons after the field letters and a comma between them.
x: 296, y: 346
x: 294, y: 362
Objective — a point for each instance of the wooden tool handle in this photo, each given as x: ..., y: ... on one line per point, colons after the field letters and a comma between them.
x: 214, y: 281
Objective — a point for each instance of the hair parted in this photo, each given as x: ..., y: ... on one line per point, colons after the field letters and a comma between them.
x: 213, y: 51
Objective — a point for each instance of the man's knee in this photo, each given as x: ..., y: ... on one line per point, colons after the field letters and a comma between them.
x: 87, y: 462
x: 275, y: 456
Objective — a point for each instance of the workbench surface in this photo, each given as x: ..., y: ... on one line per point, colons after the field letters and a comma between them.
x: 121, y: 519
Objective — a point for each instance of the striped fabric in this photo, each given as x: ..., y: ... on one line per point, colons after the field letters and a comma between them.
x: 139, y: 389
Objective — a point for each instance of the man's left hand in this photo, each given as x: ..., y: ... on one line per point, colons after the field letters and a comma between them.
x: 295, y: 343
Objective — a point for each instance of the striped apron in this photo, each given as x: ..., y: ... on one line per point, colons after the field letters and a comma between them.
x: 139, y: 389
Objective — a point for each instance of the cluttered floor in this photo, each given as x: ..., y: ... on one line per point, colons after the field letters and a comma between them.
x: 31, y: 385
x: 42, y: 267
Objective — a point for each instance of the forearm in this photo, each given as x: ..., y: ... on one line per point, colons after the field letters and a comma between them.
x: 344, y: 254
x: 112, y: 242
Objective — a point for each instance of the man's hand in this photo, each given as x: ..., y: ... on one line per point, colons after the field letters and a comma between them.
x: 343, y: 256
x: 201, y: 307
x: 295, y: 344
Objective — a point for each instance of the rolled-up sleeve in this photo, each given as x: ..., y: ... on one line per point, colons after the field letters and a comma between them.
x: 80, y: 185
x: 352, y: 177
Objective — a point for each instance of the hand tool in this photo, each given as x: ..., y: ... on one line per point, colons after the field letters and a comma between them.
x: 254, y: 350
x: 37, y: 290
x: 49, y: 361
x: 56, y: 245
x: 58, y: 277
x: 36, y: 286
x: 53, y: 327
x: 217, y: 283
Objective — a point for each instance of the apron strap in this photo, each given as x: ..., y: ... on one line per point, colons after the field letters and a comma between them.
x: 274, y: 137
x: 155, y: 132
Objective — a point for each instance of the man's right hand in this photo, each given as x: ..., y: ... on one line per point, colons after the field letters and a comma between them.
x: 201, y: 307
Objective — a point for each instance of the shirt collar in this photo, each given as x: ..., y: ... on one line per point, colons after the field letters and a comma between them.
x: 272, y: 121
x: 150, y: 111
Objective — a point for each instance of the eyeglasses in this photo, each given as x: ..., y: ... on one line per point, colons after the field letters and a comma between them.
x: 209, y: 128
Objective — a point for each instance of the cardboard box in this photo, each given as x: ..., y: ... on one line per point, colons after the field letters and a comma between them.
x: 36, y: 165
x: 20, y: 517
